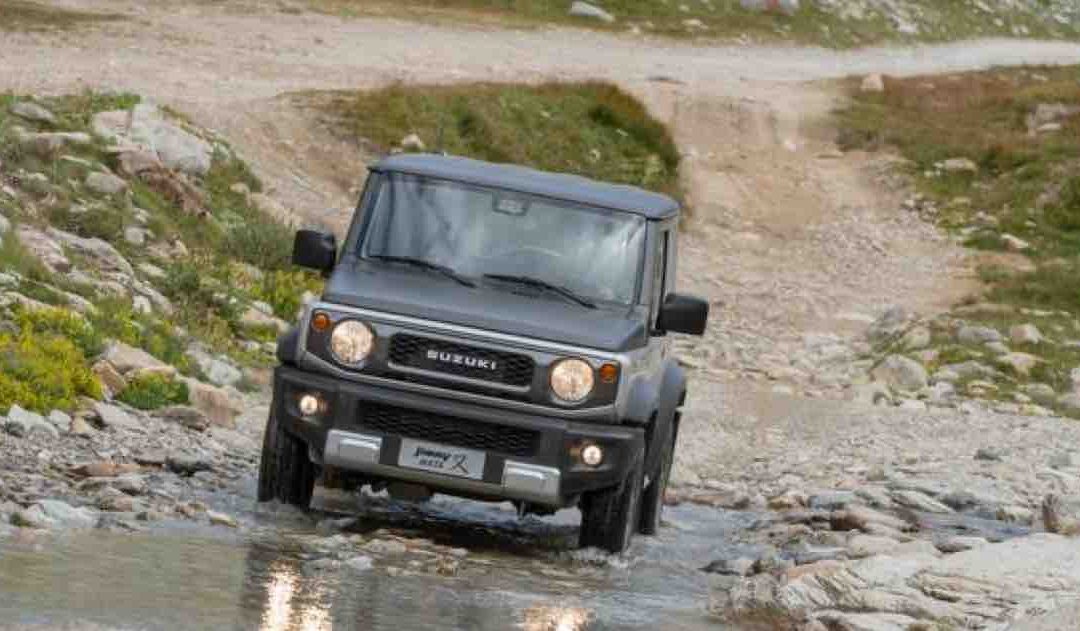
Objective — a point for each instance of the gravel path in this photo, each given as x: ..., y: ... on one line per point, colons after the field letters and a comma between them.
x: 797, y: 247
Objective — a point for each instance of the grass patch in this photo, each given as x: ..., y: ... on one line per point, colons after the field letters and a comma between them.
x: 153, y: 391
x: 727, y: 19
x: 19, y: 15
x: 592, y: 129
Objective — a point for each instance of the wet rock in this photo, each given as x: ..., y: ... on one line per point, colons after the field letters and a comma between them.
x: 1061, y: 515
x: 184, y: 415
x: 26, y: 424
x: 105, y: 183
x: 32, y: 112
x: 901, y: 373
x: 186, y: 463
x: 977, y: 335
x: 586, y: 10
x: 221, y: 519
x: 113, y: 416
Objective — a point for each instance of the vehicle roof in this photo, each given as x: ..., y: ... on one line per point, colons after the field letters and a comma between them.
x: 563, y: 186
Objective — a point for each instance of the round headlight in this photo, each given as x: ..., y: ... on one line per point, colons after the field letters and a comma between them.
x: 572, y: 380
x: 351, y: 342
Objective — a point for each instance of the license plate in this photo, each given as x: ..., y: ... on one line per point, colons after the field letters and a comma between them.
x: 455, y: 461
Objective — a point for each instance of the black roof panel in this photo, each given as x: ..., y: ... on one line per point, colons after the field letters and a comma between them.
x: 516, y: 178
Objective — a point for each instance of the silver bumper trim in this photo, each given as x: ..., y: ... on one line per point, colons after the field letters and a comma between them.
x: 520, y: 481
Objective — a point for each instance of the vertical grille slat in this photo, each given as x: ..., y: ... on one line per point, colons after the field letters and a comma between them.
x: 412, y: 351
x: 447, y: 430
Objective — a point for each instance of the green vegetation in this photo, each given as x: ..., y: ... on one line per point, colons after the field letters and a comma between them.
x: 726, y: 19
x: 152, y: 391
x: 592, y: 129
x: 1020, y: 127
x: 43, y: 366
x: 19, y: 15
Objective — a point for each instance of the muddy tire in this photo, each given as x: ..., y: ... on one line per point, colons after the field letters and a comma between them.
x: 609, y: 518
x: 286, y: 473
x: 652, y: 500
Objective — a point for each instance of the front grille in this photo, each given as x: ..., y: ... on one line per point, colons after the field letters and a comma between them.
x: 463, y: 361
x: 448, y: 430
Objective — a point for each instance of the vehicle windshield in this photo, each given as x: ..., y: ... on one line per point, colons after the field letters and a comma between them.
x: 593, y: 252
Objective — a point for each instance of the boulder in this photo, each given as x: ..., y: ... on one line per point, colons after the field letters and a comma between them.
x: 135, y: 162
x: 56, y: 515
x: 32, y: 112
x: 26, y: 424
x: 44, y: 248
x: 146, y: 127
x: 216, y: 403
x: 126, y: 359
x: 114, y: 416
x: 585, y: 10
x: 901, y: 373
x: 105, y: 256
x: 60, y: 420
x: 217, y: 370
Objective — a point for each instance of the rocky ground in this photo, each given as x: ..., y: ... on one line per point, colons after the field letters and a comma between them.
x: 886, y: 491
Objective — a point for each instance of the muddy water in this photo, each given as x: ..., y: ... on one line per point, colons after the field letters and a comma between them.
x: 516, y: 572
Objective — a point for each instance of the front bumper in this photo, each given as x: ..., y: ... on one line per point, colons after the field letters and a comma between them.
x: 539, y: 468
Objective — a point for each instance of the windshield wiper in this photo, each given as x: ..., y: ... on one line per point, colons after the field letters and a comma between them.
x: 543, y: 284
x: 422, y: 264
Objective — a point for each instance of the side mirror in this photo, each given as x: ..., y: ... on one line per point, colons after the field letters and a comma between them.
x: 315, y: 250
x: 683, y: 314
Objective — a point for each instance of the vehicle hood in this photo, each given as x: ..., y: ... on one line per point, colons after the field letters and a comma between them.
x: 430, y: 296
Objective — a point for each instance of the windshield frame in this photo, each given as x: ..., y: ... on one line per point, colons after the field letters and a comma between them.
x: 356, y: 241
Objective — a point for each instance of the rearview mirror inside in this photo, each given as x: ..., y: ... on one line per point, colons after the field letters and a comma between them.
x: 315, y: 250
x: 681, y: 313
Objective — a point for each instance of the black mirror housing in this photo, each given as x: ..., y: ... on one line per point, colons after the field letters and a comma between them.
x: 315, y: 250
x: 681, y: 313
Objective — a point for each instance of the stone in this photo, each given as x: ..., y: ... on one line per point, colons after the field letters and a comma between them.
x: 216, y: 403
x: 412, y: 142
x: 105, y: 257
x: 105, y: 183
x: 273, y: 208
x: 730, y: 567
x: 126, y: 359
x: 959, y: 165
x: 1025, y: 334
x: 217, y: 370
x: 32, y: 517
x: 252, y: 318
x: 967, y: 370
x: 977, y: 335
x: 134, y: 162
x: 956, y: 544
x: 997, y: 348
x: 50, y: 145
x: 863, y: 546
x: 1061, y: 515
x: 146, y: 127
x: 901, y: 373
x: 1019, y: 363
x: 916, y: 339
x: 141, y: 304
x: 890, y: 324
x: 385, y: 547
x: 1013, y: 243
x: 912, y: 405
x: 1070, y: 403
x: 866, y: 520
x: 152, y: 271
x: 109, y: 377
x: 918, y: 501
x: 872, y: 83
x: 585, y: 10
x: 32, y: 112
x: 135, y: 236
x: 834, y: 500
x: 873, y: 393
x: 80, y: 427
x: 186, y: 416
x: 113, y: 416
x: 186, y: 463
x: 359, y: 563
x: 221, y: 519
x: 60, y: 420
x: 44, y: 248
x: 989, y: 454
x: 25, y: 424
x: 62, y: 515
x: 1015, y: 514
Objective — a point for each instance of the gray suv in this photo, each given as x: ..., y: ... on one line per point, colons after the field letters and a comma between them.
x: 491, y: 332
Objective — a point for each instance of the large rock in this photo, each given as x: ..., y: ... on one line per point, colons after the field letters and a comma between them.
x: 901, y: 373
x: 54, y: 514
x: 105, y: 256
x: 126, y: 359
x: 44, y: 248
x: 217, y: 370
x: 585, y: 10
x: 217, y: 404
x: 114, y: 416
x: 986, y: 587
x: 145, y: 126
x: 32, y: 112
x: 25, y: 424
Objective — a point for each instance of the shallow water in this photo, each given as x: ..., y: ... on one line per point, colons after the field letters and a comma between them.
x: 517, y: 571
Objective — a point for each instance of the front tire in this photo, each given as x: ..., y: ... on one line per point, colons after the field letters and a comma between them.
x: 610, y: 517
x: 286, y: 473
x: 652, y: 502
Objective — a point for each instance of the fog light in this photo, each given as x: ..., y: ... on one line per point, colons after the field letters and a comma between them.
x: 309, y: 405
x: 592, y: 455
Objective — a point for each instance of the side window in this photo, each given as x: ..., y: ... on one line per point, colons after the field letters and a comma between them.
x: 659, y: 279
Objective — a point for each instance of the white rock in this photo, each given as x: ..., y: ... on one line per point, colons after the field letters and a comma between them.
x: 217, y: 370
x: 912, y: 405
x: 145, y: 126
x: 586, y: 10
x: 105, y: 256
x: 1014, y: 243
x: 135, y: 236
x: 105, y: 183
x: 44, y: 248
x: 113, y: 416
x: 141, y: 304
x: 33, y: 112
x: 959, y: 165
x: 872, y: 83
x: 978, y: 335
x: 1020, y: 363
x: 60, y: 420
x: 152, y: 271
x: 26, y: 424
x: 901, y: 373
x: 128, y: 359
x: 412, y: 142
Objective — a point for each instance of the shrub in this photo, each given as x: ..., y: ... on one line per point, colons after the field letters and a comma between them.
x: 153, y: 391
x: 43, y: 372
x: 260, y: 241
x: 60, y: 323
x: 283, y: 291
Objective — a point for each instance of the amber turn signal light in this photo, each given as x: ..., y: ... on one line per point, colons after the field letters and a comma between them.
x: 609, y: 373
x: 320, y: 321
